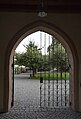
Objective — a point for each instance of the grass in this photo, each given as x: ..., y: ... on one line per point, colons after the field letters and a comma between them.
x: 52, y: 76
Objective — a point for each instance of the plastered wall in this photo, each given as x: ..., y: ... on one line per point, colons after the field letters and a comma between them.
x: 12, y: 23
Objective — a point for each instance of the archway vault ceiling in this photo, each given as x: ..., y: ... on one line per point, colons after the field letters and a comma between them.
x: 52, y: 6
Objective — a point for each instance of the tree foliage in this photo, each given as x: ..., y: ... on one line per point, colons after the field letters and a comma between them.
x: 20, y: 59
x: 31, y: 58
x: 58, y: 55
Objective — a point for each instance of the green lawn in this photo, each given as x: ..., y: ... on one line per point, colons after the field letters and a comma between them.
x: 52, y: 76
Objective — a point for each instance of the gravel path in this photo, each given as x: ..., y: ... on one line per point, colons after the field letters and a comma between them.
x: 27, y: 92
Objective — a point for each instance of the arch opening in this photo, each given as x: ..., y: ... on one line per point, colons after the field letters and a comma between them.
x: 61, y: 36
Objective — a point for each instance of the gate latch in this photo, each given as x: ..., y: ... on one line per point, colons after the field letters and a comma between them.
x: 41, y: 79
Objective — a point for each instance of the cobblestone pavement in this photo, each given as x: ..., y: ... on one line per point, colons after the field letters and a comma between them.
x: 40, y: 113
x: 26, y: 104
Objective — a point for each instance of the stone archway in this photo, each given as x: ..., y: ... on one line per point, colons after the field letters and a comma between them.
x: 64, y: 39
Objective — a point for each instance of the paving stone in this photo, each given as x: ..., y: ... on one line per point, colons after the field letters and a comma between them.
x: 26, y: 105
x: 37, y: 114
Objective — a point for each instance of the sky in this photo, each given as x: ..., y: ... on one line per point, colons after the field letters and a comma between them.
x: 41, y: 39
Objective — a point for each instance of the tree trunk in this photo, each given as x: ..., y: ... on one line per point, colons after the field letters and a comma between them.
x: 34, y: 72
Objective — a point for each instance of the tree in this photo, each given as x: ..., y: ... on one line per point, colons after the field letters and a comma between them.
x: 33, y: 56
x: 20, y: 59
x: 58, y: 55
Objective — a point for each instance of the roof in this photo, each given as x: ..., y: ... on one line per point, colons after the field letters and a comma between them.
x: 52, y: 6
